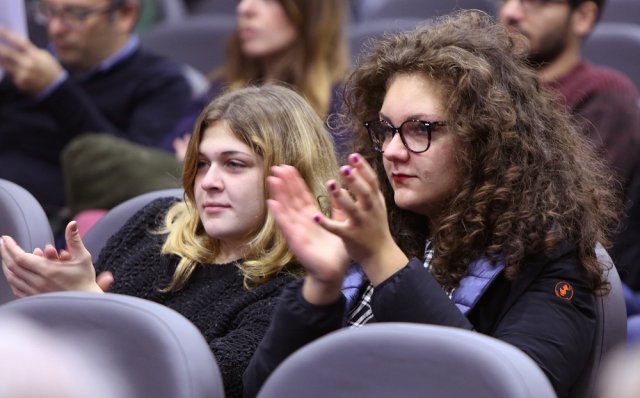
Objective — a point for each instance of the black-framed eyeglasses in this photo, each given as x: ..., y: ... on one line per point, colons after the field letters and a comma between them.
x: 414, y: 134
x: 528, y: 5
x: 72, y: 17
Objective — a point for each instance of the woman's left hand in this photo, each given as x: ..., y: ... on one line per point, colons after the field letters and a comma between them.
x: 49, y: 270
x: 365, y: 228
x: 318, y: 250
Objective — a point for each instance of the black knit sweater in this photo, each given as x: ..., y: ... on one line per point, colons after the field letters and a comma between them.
x: 232, y: 319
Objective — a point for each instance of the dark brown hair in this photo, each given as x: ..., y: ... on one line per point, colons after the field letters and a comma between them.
x: 529, y: 179
x: 599, y: 3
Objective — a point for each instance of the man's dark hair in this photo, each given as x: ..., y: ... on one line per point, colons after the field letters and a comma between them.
x: 118, y: 4
x: 599, y: 3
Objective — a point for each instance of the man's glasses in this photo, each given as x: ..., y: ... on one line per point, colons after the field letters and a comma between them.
x: 72, y: 17
x: 528, y: 5
x: 414, y: 134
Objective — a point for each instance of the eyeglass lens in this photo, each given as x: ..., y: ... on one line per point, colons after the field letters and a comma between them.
x: 70, y: 16
x: 415, y: 134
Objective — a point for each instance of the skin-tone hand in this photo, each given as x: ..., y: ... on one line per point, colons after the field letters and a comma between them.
x: 49, y: 270
x: 365, y: 230
x: 180, y: 145
x: 320, y: 252
x: 32, y: 69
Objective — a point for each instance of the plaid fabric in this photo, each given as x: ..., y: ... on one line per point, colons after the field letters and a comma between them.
x: 362, y: 313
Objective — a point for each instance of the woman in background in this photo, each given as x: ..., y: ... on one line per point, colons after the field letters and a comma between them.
x: 298, y: 42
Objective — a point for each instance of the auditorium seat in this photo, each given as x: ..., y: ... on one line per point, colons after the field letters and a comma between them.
x: 197, y: 40
x: 388, y: 360
x: 160, y: 352
x: 96, y: 237
x: 22, y: 218
x: 420, y: 8
x: 611, y: 328
x: 617, y: 45
x: 621, y: 11
x: 360, y: 34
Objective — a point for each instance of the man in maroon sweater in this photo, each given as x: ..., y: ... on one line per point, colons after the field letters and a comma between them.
x: 604, y: 101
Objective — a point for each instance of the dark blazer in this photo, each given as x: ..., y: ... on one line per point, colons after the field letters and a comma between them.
x: 138, y: 99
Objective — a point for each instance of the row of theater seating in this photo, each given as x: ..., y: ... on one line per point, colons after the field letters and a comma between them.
x: 196, y: 36
x: 366, y: 10
x: 159, y: 353
x: 199, y: 41
x: 405, y: 360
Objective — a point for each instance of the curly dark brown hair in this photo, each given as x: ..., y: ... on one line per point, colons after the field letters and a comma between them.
x: 529, y: 179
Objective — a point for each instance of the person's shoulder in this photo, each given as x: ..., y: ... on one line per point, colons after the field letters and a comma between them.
x: 559, y: 273
x: 605, y: 77
x: 561, y: 250
x: 563, y: 258
x: 154, y: 212
x: 161, y: 204
x: 156, y: 63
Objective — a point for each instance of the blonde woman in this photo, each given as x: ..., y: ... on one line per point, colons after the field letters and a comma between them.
x: 216, y: 256
x: 298, y: 42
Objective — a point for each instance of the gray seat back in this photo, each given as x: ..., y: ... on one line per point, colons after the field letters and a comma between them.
x: 611, y: 328
x: 420, y: 8
x: 22, y: 218
x: 198, y: 40
x: 408, y: 360
x: 617, y: 45
x: 96, y: 237
x: 363, y: 34
x: 622, y: 11
x: 160, y: 352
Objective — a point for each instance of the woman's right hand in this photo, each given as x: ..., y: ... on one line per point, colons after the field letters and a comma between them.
x: 321, y: 252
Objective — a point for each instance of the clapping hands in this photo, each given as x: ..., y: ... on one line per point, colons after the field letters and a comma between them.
x: 358, y: 228
x: 48, y: 270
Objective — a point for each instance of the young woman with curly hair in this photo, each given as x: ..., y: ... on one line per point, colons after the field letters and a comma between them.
x: 460, y: 147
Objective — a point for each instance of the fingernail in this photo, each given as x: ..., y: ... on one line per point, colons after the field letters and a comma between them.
x: 355, y: 158
x: 316, y: 218
x: 332, y: 186
x: 74, y: 226
x: 346, y: 171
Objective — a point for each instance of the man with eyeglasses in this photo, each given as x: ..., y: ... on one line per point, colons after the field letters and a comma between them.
x: 604, y: 101
x: 96, y: 78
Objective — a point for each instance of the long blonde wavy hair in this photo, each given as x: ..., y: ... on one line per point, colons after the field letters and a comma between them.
x: 280, y: 127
